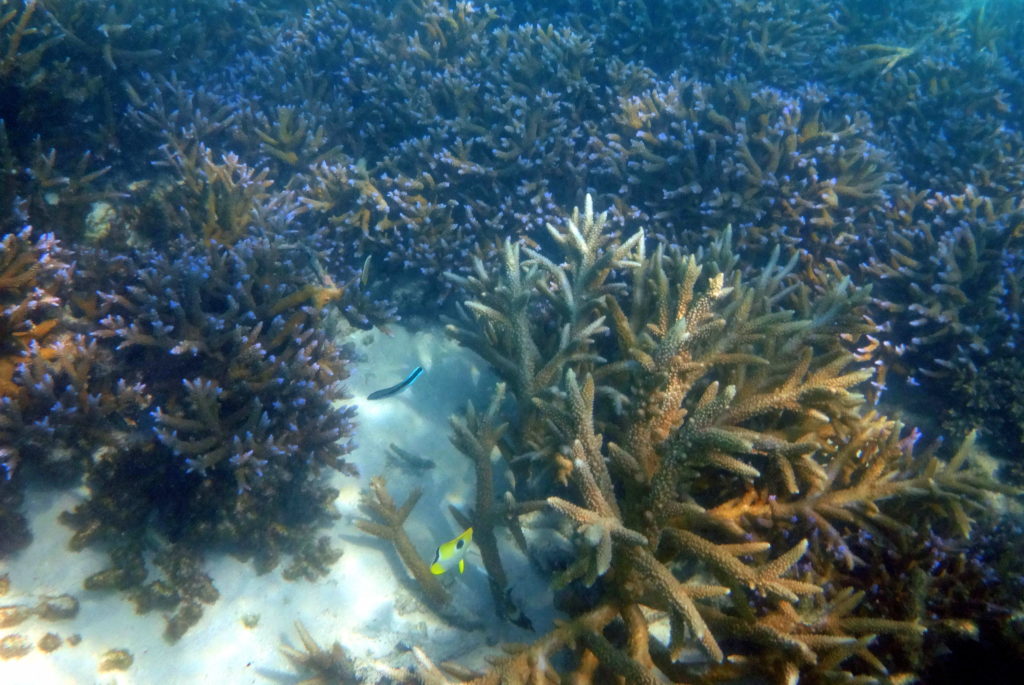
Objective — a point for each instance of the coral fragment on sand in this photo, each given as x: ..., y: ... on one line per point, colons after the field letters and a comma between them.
x: 14, y: 646
x: 653, y: 391
x: 116, y: 660
x: 318, y: 666
x: 50, y: 642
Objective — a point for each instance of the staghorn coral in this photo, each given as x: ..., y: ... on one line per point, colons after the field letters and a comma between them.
x: 387, y: 523
x: 288, y: 138
x: 242, y: 380
x: 210, y: 200
x: 201, y: 407
x: 966, y: 586
x: 21, y: 59
x: 702, y: 387
x: 70, y: 412
x: 948, y: 296
x: 788, y: 40
x: 135, y: 33
x: 411, y: 185
x: 53, y: 198
x: 499, y: 125
x: 333, y: 667
x: 506, y: 337
x: 67, y: 70
x: 33, y: 278
x: 778, y: 166
x: 500, y: 113
x: 382, y: 507
x: 222, y: 202
x: 943, y: 93
x: 384, y: 143
x: 374, y: 211
x: 477, y: 435
x: 217, y: 196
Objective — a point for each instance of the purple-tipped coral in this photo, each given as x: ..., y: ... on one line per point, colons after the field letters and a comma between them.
x: 790, y: 168
x: 948, y: 299
x: 33, y: 276
x: 231, y: 178
x: 228, y: 343
x: 204, y: 404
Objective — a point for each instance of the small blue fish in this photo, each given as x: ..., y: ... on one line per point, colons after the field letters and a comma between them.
x: 452, y: 553
x: 395, y: 389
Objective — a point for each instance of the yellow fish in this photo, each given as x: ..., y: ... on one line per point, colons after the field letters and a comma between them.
x: 451, y: 553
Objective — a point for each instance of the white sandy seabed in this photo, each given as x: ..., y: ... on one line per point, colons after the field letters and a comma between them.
x: 367, y: 603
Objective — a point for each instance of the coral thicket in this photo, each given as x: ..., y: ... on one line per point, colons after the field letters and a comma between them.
x: 33, y: 276
x: 748, y: 397
x: 705, y: 451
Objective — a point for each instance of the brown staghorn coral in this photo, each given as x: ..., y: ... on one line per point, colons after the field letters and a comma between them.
x: 718, y: 458
x: 504, y: 334
x: 33, y: 281
x: 324, y: 667
x: 31, y: 278
x: 143, y: 406
x: 387, y: 523
x: 215, y: 201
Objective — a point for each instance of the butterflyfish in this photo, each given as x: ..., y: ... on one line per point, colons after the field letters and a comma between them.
x: 395, y: 389
x: 452, y: 554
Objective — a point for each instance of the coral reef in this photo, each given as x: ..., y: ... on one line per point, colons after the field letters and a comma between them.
x: 944, y: 94
x: 387, y: 523
x: 381, y: 505
x: 33, y: 276
x: 221, y: 425
x: 240, y: 416
x: 196, y: 198
x: 948, y: 298
x: 705, y: 433
x: 64, y: 70
x: 797, y: 168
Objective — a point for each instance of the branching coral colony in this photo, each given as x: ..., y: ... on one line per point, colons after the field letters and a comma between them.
x: 220, y: 171
x: 32, y: 277
x: 707, y: 454
x: 203, y: 405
